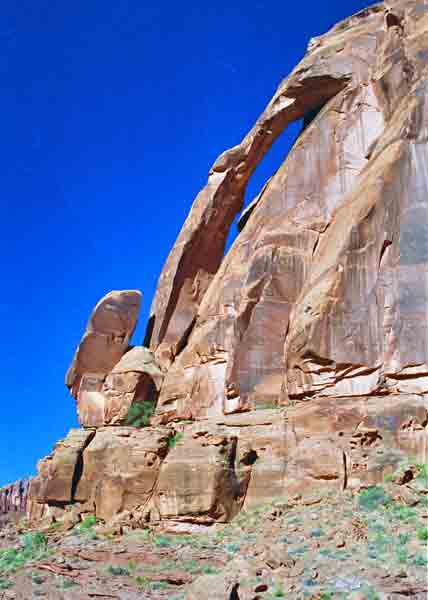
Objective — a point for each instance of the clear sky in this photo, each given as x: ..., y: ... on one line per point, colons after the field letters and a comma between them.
x: 111, y: 114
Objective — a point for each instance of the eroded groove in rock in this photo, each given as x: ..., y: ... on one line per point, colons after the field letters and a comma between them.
x: 80, y: 465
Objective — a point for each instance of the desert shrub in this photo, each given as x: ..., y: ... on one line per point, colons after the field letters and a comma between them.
x: 232, y: 548
x: 173, y: 440
x: 373, y: 497
x: 192, y: 566
x: 86, y: 527
x: 37, y: 578
x: 209, y: 570
x: 65, y: 583
x: 423, y: 472
x: 117, y: 571
x: 403, y: 513
x: 87, y: 523
x: 142, y: 582
x: 278, y: 592
x: 163, y: 541
x: 33, y: 547
x: 139, y: 414
x: 421, y: 560
x: 132, y: 566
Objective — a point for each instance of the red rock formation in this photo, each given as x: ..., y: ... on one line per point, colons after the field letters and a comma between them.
x: 324, y: 292
x: 300, y: 359
x: 107, y: 376
x: 13, y: 497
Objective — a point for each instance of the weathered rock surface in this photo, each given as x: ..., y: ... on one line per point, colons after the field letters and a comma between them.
x: 300, y: 360
x: 324, y: 291
x: 13, y: 497
x: 60, y: 471
x: 120, y: 469
x: 135, y: 378
x: 107, y: 376
x: 106, y: 338
x: 197, y: 480
x: 209, y: 470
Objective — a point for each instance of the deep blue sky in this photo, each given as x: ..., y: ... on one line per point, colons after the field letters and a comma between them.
x: 111, y: 114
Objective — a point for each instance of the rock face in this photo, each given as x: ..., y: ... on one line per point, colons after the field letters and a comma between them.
x: 13, y: 497
x: 59, y: 472
x: 299, y: 360
x: 107, y: 376
x: 325, y: 290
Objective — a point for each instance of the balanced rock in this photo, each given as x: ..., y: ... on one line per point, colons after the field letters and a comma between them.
x: 107, y: 376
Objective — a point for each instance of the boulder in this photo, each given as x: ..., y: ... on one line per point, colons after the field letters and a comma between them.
x: 107, y: 376
x: 136, y: 378
x: 103, y: 344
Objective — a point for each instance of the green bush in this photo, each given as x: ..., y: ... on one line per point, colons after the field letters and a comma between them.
x: 403, y: 513
x: 86, y: 527
x: 373, y: 497
x: 142, y: 582
x: 209, y: 570
x: 132, y: 566
x: 64, y: 583
x: 87, y: 523
x: 172, y: 441
x: 421, y: 560
x: 422, y: 534
x: 33, y: 547
x: 163, y: 541
x: 139, y: 414
x: 117, y: 571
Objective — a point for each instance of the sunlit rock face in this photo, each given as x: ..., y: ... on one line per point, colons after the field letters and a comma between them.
x: 299, y: 360
x: 13, y: 497
x: 107, y: 376
x: 325, y: 290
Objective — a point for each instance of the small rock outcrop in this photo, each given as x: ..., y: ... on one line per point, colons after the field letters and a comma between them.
x: 13, y: 497
x: 299, y: 359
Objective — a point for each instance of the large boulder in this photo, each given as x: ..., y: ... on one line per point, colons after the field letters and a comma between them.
x: 107, y: 376
x: 106, y: 339
x: 136, y: 378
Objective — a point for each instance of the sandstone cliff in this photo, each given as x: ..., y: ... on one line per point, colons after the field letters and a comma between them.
x: 301, y: 357
x: 14, y: 497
